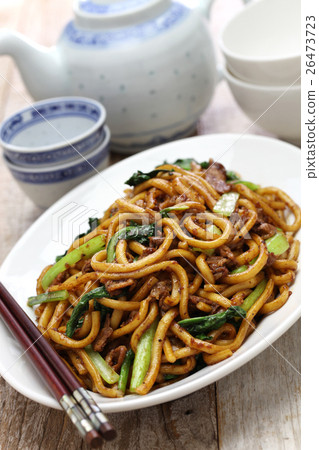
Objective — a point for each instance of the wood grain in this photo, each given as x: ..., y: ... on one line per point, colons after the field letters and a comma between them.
x: 256, y: 407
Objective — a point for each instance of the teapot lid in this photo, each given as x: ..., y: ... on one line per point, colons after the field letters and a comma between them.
x: 97, y: 13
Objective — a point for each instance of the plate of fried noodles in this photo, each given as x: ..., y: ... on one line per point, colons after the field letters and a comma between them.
x: 164, y: 273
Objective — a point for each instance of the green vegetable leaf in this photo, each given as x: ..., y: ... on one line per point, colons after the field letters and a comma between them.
x: 230, y: 175
x: 139, y: 233
x: 57, y: 258
x: 82, y: 307
x: 169, y: 376
x: 186, y: 163
x: 139, y: 177
x: 202, y: 325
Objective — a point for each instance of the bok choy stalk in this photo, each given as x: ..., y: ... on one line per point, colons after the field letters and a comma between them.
x: 226, y: 204
x: 125, y: 370
x: 277, y: 244
x: 143, y: 357
x: 254, y: 296
x: 104, y: 369
x: 85, y: 250
x: 48, y: 297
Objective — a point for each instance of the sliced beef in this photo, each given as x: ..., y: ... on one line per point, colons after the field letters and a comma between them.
x: 103, y: 336
x: 215, y: 175
x: 263, y: 225
x: 156, y: 241
x: 196, y: 299
x: 226, y: 252
x: 61, y: 278
x: 265, y: 230
x: 217, y: 265
x: 115, y: 287
x: 160, y: 291
x: 148, y: 251
x: 115, y: 357
x: 271, y: 259
x: 86, y: 268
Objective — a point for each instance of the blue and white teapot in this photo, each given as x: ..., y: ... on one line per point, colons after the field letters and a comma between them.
x: 150, y: 62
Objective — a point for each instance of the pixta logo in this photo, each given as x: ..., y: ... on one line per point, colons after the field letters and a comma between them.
x: 70, y: 221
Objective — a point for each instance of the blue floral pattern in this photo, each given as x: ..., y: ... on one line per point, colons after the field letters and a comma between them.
x: 60, y: 175
x: 147, y: 30
x: 50, y: 110
x: 55, y: 156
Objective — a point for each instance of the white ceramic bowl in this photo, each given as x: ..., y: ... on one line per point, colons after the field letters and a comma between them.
x: 53, y: 131
x: 275, y: 109
x: 46, y: 185
x: 262, y: 42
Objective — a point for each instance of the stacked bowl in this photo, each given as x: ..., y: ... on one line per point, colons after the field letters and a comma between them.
x: 53, y: 145
x: 262, y: 52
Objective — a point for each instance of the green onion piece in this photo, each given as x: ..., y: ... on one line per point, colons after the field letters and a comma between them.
x: 226, y: 204
x: 105, y: 370
x: 249, y: 184
x: 48, y: 297
x: 125, y: 370
x: 277, y: 244
x: 253, y: 296
x: 84, y: 251
x: 143, y: 357
x: 239, y: 269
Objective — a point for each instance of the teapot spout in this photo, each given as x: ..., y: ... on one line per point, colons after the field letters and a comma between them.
x: 204, y: 6
x: 39, y: 66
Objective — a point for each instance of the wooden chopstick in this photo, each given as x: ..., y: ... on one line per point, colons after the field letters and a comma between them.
x: 60, y: 379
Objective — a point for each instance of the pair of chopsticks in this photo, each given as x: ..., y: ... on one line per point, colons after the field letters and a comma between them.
x: 73, y: 398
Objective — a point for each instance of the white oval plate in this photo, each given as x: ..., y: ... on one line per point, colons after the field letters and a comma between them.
x: 266, y: 161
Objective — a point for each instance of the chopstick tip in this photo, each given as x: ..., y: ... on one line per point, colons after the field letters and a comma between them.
x: 93, y: 439
x: 107, y: 431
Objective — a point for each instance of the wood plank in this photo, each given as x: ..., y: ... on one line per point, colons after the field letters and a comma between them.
x: 259, y: 404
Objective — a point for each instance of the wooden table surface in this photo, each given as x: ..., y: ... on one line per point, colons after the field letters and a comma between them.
x: 256, y: 407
